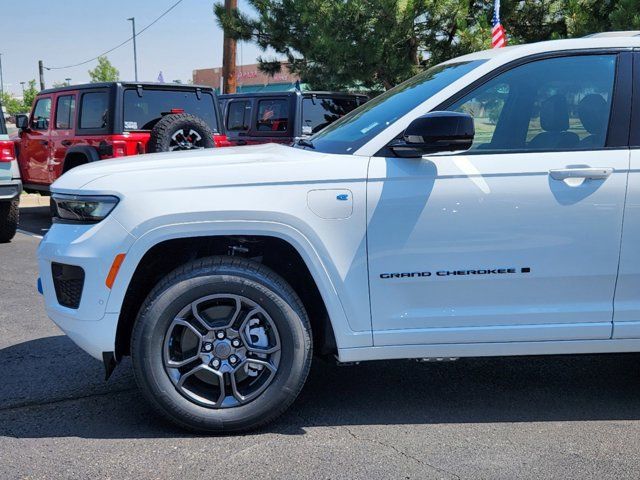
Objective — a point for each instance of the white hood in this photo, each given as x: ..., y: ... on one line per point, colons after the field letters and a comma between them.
x: 223, y: 166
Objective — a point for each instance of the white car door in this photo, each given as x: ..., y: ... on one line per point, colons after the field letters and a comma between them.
x: 518, y: 238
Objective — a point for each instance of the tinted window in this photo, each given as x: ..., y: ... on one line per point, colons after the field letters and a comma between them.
x: 273, y: 115
x: 95, y: 110
x: 65, y: 112
x: 361, y: 125
x: 41, y: 114
x: 3, y: 126
x: 553, y: 104
x: 319, y: 112
x: 142, y: 113
x: 238, y: 116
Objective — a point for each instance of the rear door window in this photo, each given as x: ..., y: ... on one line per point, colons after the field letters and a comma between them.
x: 65, y: 112
x: 143, y: 112
x: 238, y: 116
x: 273, y: 116
x: 319, y: 112
x: 94, y: 111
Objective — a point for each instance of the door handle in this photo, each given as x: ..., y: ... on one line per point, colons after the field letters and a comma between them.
x: 66, y: 143
x: 44, y: 142
x: 596, y: 173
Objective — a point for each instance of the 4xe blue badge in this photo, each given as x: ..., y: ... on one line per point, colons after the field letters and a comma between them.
x: 343, y: 197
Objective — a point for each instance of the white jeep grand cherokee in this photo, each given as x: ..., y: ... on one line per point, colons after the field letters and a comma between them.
x: 396, y: 232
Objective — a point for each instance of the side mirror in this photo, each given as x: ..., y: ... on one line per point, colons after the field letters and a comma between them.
x: 435, y: 132
x: 22, y: 121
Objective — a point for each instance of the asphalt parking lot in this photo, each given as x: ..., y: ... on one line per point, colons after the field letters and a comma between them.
x: 556, y: 417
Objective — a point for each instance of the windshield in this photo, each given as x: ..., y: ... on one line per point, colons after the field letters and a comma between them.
x: 320, y: 111
x: 352, y: 131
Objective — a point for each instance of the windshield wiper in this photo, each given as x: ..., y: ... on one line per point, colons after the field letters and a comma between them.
x: 305, y: 143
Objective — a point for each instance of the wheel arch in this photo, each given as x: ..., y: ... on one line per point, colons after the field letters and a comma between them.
x: 78, y: 155
x: 148, y: 261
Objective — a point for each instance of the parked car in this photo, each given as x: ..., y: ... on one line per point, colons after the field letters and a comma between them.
x: 10, y: 185
x: 111, y: 120
x: 283, y: 117
x: 474, y: 210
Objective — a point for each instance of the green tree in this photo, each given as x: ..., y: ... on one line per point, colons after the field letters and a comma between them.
x: 378, y: 43
x: 625, y: 15
x: 29, y: 95
x: 335, y: 44
x: 104, y: 71
x: 11, y: 103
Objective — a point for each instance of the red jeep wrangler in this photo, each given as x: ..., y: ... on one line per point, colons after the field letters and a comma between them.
x: 78, y: 124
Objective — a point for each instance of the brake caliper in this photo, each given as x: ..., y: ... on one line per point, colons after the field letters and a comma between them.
x: 257, y: 335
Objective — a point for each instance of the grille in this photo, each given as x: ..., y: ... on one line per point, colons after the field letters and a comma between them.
x: 68, y: 281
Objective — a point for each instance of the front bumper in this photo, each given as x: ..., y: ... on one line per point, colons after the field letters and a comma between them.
x: 93, y: 248
x: 10, y: 190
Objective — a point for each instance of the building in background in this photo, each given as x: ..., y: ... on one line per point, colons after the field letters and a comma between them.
x: 249, y: 78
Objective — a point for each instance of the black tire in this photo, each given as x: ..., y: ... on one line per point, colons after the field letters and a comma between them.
x: 214, y: 276
x: 9, y: 213
x: 182, y: 126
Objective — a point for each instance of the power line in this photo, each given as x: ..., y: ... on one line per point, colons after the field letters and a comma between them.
x: 120, y: 44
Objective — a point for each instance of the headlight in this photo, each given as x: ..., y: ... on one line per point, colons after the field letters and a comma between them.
x: 82, y: 209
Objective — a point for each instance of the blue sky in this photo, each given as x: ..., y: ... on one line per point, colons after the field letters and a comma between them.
x: 63, y: 32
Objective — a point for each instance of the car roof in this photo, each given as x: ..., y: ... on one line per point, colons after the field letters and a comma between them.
x: 623, y: 39
x: 627, y: 33
x: 166, y: 86
x: 290, y: 93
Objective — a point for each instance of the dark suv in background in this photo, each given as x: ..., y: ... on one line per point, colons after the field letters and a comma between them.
x: 282, y: 117
x: 74, y: 125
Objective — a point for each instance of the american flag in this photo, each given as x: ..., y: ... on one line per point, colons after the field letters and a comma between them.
x: 498, y: 33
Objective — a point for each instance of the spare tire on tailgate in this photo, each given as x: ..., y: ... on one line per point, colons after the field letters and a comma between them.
x: 180, y: 131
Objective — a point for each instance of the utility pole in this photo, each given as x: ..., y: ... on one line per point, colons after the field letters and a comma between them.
x: 22, y: 85
x: 135, y: 52
x: 229, y: 54
x: 41, y: 72
x: 1, y: 80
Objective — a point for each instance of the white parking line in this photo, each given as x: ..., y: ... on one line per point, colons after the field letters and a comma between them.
x: 24, y: 232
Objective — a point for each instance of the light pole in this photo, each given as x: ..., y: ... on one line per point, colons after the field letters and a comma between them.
x: 135, y: 53
x: 1, y: 81
x: 22, y: 85
x: 68, y: 80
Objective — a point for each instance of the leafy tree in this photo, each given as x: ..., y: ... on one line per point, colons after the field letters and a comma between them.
x: 29, y: 95
x: 334, y: 44
x: 104, y: 71
x: 375, y: 44
x: 625, y: 15
x: 11, y: 103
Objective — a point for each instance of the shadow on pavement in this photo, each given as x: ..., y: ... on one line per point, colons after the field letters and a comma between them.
x: 36, y: 220
x: 53, y: 389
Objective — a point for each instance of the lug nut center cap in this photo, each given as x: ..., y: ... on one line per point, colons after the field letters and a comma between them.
x: 222, y: 350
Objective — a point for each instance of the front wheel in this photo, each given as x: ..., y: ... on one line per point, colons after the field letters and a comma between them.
x: 9, y: 212
x: 221, y: 345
